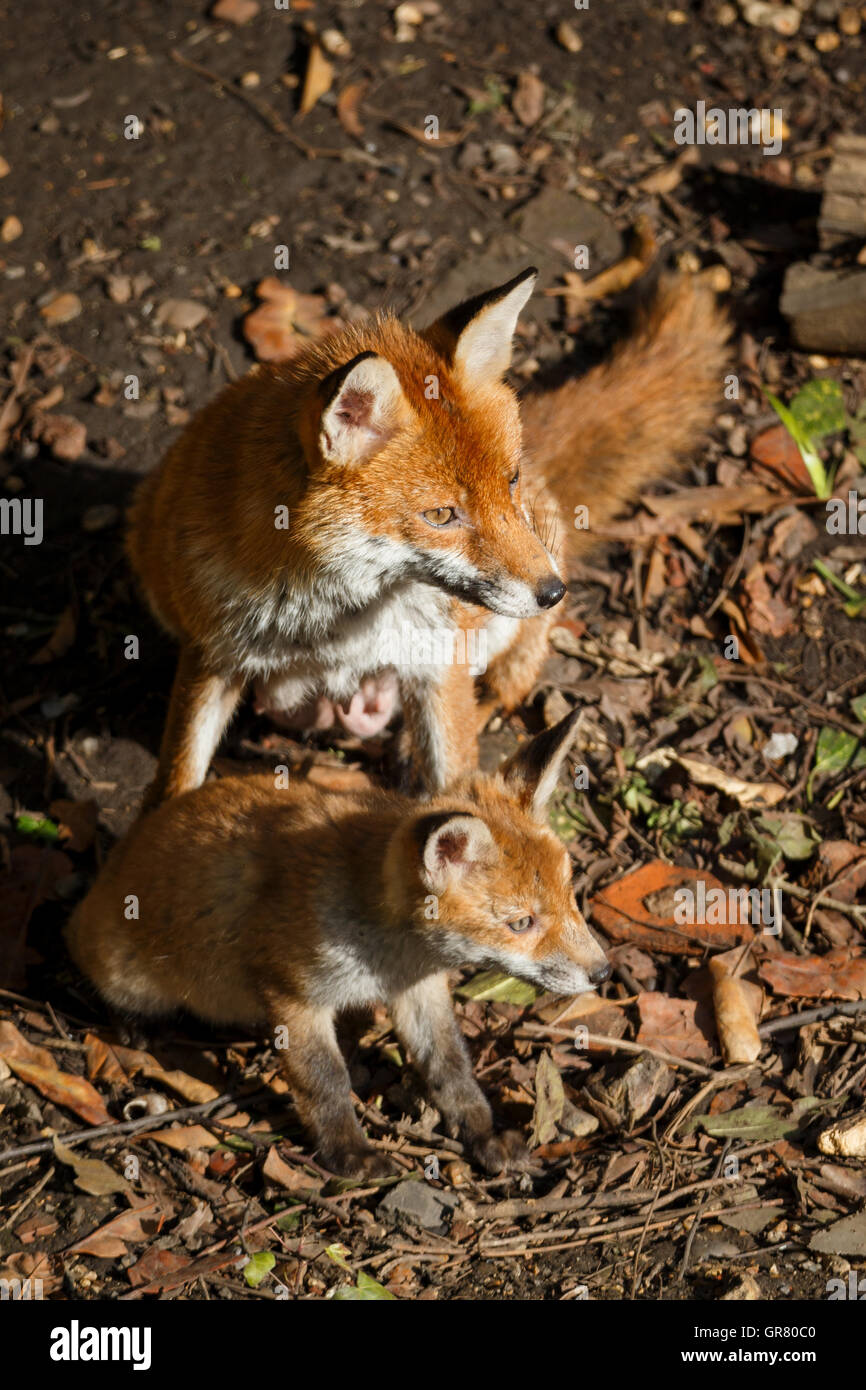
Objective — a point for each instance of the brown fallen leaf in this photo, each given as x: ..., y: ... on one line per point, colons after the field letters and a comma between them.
x: 285, y: 321
x: 444, y: 140
x: 37, y: 1067
x: 40, y: 1268
x: 677, y: 1026
x: 765, y: 610
x: 102, y: 1061
x: 77, y: 821
x: 318, y: 78
x: 91, y: 1174
x: 61, y: 308
x: 528, y: 100
x: 235, y: 11
x: 641, y: 907
x: 775, y: 451
x: 287, y: 1175
x: 183, y: 1137
x: 155, y: 1266
x: 110, y: 1241
x: 735, y: 1020
x: 839, y: 974
x: 347, y: 109
x: 60, y: 640
x: 708, y: 775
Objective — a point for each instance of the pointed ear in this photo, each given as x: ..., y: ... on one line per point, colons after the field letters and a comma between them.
x: 475, y: 337
x: 533, y: 771
x: 364, y: 406
x: 451, y: 847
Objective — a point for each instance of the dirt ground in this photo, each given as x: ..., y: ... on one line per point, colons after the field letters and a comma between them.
x: 138, y: 260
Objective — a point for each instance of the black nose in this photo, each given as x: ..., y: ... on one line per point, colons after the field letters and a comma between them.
x: 600, y: 974
x: 549, y: 591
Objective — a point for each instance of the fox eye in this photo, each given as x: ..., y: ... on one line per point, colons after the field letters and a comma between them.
x: 512, y: 482
x: 439, y: 516
x: 521, y: 924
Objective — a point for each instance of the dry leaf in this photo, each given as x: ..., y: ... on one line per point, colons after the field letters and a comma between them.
x: 91, y: 1174
x: 183, y: 1137
x: 284, y: 322
x: 528, y: 100
x: 65, y: 436
x: 61, y: 308
x: 674, y: 1026
x: 291, y: 1177
x: 580, y: 293
x: 775, y: 450
x: 735, y: 1018
x: 37, y: 1067
x: 347, y: 109
x: 642, y: 907
x: 318, y: 79
x: 549, y: 1101
x: 839, y: 974
x: 707, y: 775
x: 109, y: 1242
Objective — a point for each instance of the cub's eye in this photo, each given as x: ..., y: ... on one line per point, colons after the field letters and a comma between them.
x: 522, y: 924
x: 512, y: 482
x: 439, y: 516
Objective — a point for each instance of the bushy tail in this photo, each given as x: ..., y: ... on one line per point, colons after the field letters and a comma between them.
x: 599, y: 440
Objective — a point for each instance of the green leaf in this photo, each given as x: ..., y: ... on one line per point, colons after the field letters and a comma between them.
x: 338, y: 1254
x: 791, y: 835
x: 150, y: 243
x: 289, y: 1221
x: 821, y: 479
x: 366, y: 1288
x: 257, y: 1266
x: 40, y: 826
x: 819, y: 408
x: 755, y: 1122
x: 858, y: 705
x: 836, y: 750
x: 856, y: 604
x: 494, y: 985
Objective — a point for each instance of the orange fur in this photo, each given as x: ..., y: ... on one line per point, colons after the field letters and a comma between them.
x: 280, y: 908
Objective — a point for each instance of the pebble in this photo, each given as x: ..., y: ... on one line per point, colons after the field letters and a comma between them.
x: 11, y: 228
x: 827, y: 42
x: 568, y: 38
x: 61, y: 308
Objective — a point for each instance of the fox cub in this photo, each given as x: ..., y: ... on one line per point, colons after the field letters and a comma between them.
x: 382, y: 484
x: 279, y: 909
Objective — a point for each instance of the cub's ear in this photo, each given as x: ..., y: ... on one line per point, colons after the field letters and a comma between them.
x: 533, y: 771
x: 364, y: 406
x: 475, y: 337
x: 451, y: 847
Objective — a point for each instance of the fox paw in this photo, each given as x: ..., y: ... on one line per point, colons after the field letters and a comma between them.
x: 501, y: 1153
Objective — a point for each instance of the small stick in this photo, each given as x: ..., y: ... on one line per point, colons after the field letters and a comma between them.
x: 792, y: 1022
x: 617, y: 1045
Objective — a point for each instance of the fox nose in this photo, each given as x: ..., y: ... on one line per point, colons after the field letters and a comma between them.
x: 549, y: 591
x: 600, y: 974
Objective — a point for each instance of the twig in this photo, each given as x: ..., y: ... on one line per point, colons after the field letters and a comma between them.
x: 793, y: 1022
x: 617, y: 1045
x: 146, y: 1122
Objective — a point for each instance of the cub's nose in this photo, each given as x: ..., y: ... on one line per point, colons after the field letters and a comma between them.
x: 549, y: 591
x: 600, y: 974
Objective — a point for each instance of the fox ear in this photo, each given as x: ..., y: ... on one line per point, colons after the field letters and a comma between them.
x: 363, y: 407
x: 533, y: 771
x: 476, y: 335
x: 452, y: 847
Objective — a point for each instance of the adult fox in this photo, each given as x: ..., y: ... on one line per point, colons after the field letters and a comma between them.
x: 381, y: 483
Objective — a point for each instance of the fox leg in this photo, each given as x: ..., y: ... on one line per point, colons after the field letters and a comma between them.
x: 319, y: 1080
x: 424, y: 1020
x: 441, y: 722
x: 514, y: 670
x: 201, y: 705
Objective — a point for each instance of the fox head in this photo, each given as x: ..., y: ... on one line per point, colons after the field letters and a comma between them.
x: 491, y: 883
x: 413, y: 449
